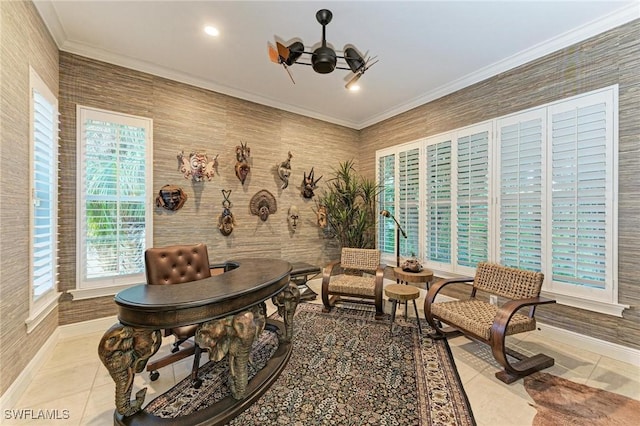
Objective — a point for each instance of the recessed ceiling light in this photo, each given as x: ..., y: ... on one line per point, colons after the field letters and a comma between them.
x: 212, y: 31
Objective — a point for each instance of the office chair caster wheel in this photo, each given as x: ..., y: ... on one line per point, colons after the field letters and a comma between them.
x: 154, y: 376
x: 197, y: 383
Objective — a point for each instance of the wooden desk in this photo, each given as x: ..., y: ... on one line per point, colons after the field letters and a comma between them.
x: 238, y: 294
x: 300, y: 273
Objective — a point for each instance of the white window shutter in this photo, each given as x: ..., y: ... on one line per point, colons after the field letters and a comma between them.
x: 409, y: 201
x: 521, y: 192
x: 473, y: 199
x: 386, y: 201
x: 438, y: 200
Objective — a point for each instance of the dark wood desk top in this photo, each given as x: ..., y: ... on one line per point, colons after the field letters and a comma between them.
x: 251, y: 281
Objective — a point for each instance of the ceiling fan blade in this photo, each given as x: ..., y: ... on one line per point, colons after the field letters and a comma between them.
x: 353, y: 80
x: 289, y: 72
x: 273, y: 53
x: 369, y: 65
x: 283, y: 51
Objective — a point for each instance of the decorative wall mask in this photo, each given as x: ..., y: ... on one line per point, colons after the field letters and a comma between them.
x: 294, y: 215
x: 322, y: 216
x: 263, y: 204
x: 242, y: 161
x: 308, y: 184
x: 197, y: 166
x: 171, y: 197
x: 226, y: 221
x: 284, y: 171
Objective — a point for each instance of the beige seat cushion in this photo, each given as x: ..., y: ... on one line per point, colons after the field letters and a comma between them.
x: 477, y: 317
x: 353, y: 285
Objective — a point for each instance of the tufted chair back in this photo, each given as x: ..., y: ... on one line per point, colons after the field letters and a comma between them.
x: 177, y: 264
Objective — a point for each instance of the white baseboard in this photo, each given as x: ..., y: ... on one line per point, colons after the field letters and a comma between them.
x: 79, y: 329
x: 591, y: 344
x: 11, y: 397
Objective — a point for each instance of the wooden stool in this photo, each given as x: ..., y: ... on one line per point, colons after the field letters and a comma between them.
x: 402, y: 293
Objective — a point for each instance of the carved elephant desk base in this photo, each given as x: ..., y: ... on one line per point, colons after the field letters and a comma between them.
x: 228, y: 408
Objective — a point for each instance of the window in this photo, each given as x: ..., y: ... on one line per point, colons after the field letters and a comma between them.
x: 535, y: 190
x: 44, y: 199
x: 114, y: 199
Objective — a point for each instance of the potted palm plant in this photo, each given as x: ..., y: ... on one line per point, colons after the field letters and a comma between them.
x: 350, y: 202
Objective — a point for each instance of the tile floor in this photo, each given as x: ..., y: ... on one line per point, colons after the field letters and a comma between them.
x: 74, y: 379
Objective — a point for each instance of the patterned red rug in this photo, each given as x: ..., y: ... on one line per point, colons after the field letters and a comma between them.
x: 563, y: 402
x: 346, y: 369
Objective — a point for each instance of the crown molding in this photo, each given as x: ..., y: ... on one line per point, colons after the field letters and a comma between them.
x: 164, y: 72
x: 615, y: 19
x: 48, y: 13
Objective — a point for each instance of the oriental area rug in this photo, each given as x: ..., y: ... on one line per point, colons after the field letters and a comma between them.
x: 559, y: 401
x: 345, y: 369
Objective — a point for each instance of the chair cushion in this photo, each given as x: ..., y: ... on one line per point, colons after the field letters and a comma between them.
x: 352, y: 284
x: 477, y: 317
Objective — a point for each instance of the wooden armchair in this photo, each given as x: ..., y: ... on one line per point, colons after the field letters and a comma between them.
x: 489, y: 323
x: 357, y: 275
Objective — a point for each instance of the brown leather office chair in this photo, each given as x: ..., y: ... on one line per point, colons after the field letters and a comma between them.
x: 176, y: 265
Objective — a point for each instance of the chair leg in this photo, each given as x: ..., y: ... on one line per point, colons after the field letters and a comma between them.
x: 415, y: 308
x: 197, y: 382
x: 393, y: 313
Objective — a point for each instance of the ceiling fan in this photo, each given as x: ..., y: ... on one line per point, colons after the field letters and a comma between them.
x: 323, y: 59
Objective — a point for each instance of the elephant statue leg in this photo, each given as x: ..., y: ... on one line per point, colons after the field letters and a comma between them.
x: 233, y: 335
x: 287, y: 301
x: 124, y: 351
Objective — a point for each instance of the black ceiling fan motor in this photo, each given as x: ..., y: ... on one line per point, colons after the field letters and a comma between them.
x: 324, y: 58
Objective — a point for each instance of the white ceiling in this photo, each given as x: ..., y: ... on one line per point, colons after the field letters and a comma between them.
x: 426, y: 49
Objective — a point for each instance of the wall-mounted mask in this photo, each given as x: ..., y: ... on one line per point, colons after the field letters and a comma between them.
x: 284, y: 171
x: 242, y: 161
x: 294, y: 215
x: 309, y: 185
x: 322, y: 216
x: 197, y: 166
x: 263, y: 204
x: 226, y: 221
x: 171, y: 197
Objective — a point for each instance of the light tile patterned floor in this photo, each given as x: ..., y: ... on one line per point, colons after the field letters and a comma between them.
x: 75, y: 380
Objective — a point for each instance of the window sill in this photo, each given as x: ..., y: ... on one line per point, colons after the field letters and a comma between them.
x: 613, y: 309
x: 45, y: 307
x: 90, y: 293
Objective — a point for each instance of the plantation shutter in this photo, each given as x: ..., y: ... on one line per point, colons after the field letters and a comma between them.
x: 472, y: 199
x: 580, y: 224
x: 409, y: 200
x: 44, y: 193
x: 386, y: 201
x: 438, y: 195
x: 521, y: 148
x: 113, y: 204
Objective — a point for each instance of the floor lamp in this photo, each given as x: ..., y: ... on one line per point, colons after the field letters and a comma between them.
x: 387, y: 213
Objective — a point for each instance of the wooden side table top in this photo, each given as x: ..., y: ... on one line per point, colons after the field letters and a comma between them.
x: 401, y: 292
x: 423, y: 276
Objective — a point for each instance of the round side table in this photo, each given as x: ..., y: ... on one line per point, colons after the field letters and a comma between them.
x: 405, y: 277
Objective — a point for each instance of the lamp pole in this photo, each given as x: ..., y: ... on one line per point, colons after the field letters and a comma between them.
x: 387, y: 213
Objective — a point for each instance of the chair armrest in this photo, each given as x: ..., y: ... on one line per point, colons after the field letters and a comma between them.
x: 509, y: 309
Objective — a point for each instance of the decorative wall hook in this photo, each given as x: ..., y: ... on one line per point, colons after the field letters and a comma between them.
x: 226, y: 221
x: 308, y: 184
x: 242, y: 161
x: 263, y: 204
x: 294, y: 215
x: 171, y: 197
x: 284, y: 171
x: 197, y: 166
